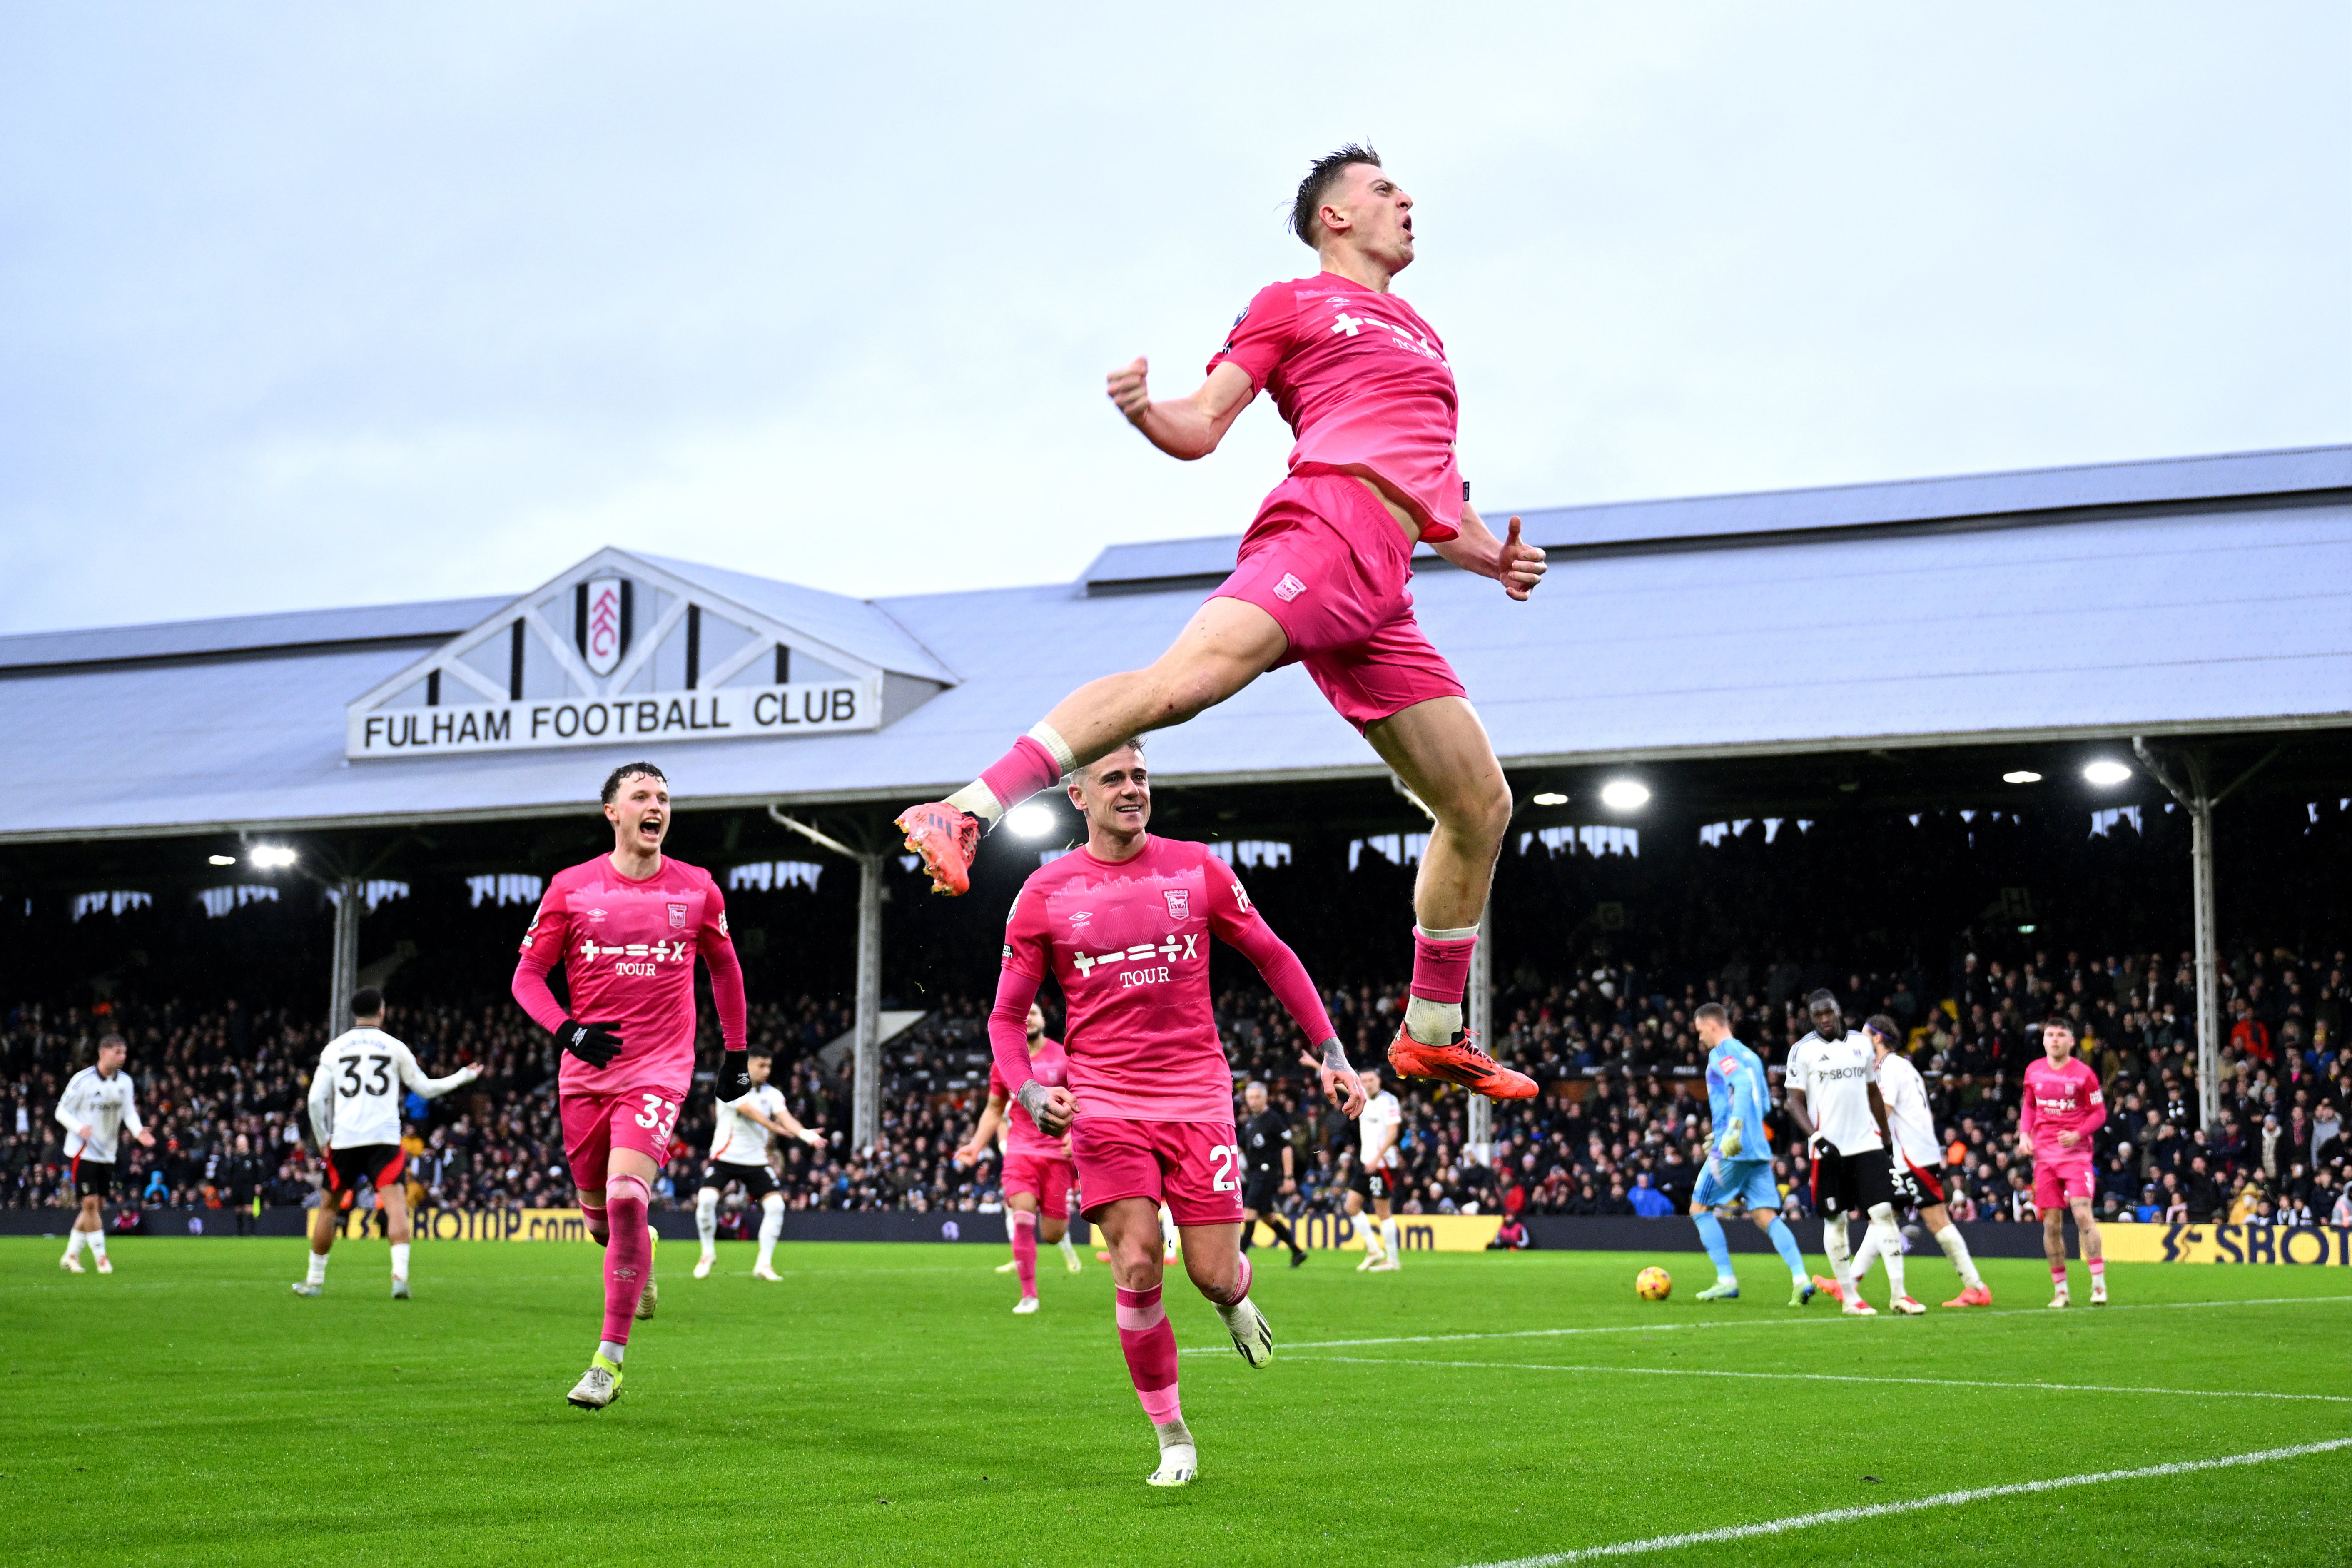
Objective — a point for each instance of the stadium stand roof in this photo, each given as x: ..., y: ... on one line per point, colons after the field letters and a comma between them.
x: 2205, y: 596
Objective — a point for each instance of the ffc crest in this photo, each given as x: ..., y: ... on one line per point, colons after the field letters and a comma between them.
x: 603, y: 624
x: 1180, y: 903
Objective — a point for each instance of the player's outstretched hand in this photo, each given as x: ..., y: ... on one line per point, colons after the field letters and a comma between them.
x: 966, y: 1156
x: 812, y: 1136
x: 1127, y: 388
x: 1338, y: 1079
x: 1050, y: 1108
x: 594, y: 1043
x: 1518, y: 566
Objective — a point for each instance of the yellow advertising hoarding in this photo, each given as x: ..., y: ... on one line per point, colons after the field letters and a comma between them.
x: 1419, y: 1232
x: 2304, y: 1245
x: 481, y: 1224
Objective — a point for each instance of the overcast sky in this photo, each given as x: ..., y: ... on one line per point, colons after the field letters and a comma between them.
x: 304, y: 306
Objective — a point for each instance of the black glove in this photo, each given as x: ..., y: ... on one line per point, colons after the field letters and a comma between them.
x: 594, y: 1043
x: 734, y: 1079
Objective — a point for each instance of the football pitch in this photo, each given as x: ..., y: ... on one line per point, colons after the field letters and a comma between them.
x: 883, y: 1406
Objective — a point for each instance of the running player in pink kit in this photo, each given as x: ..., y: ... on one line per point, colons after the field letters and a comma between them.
x: 628, y: 927
x: 2063, y: 1109
x: 1123, y: 925
x: 1363, y: 383
x: 1038, y: 1174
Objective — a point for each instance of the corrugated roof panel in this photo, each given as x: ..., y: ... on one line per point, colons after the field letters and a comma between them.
x: 233, y: 634
x: 858, y: 626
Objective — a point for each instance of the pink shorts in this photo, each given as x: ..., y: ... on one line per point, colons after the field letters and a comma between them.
x: 1326, y: 560
x: 2056, y: 1185
x: 1048, y: 1178
x: 1193, y: 1167
x: 597, y: 1124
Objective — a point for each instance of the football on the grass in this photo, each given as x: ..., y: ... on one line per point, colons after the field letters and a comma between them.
x: 1654, y: 1284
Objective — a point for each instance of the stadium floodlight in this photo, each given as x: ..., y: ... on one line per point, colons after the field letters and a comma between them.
x: 223, y: 859
x: 1031, y: 821
x: 2021, y: 775
x: 2025, y: 931
x: 1624, y: 794
x: 1549, y: 797
x: 2103, y: 772
x: 271, y: 857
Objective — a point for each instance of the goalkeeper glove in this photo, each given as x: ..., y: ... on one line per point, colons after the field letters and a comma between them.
x: 1732, y: 1143
x: 594, y: 1043
x: 734, y: 1079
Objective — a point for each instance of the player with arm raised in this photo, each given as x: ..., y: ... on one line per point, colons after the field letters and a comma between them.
x: 1917, y: 1163
x: 628, y: 927
x: 97, y: 1105
x: 1739, y: 1159
x: 1123, y: 926
x: 739, y: 1153
x: 355, y: 1117
x: 1321, y: 580
x: 2063, y: 1109
x: 1037, y: 1176
x: 1832, y: 1096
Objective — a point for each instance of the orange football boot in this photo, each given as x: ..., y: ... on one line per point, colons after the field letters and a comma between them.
x: 1974, y: 1295
x: 1460, y: 1061
x: 947, y: 839
x: 1830, y: 1288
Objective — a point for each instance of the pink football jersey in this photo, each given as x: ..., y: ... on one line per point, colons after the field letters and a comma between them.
x: 1363, y: 383
x: 2061, y: 1099
x: 1050, y: 1067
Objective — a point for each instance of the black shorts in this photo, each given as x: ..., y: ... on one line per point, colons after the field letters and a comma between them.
x: 1852, y: 1184
x: 93, y: 1178
x: 1263, y: 1192
x: 1919, y: 1187
x: 757, y: 1180
x: 377, y: 1165
x: 1382, y: 1182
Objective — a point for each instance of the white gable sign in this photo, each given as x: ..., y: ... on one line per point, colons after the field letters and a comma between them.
x: 618, y: 649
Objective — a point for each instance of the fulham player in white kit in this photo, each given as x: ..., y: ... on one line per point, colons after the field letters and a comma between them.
x: 1832, y: 1094
x: 1381, y: 1176
x: 94, y: 1110
x: 739, y: 1153
x: 355, y: 1116
x: 1918, y: 1167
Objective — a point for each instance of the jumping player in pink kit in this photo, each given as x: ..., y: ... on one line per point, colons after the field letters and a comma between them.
x: 1363, y: 383
x: 1123, y: 925
x: 628, y: 927
x: 2063, y: 1109
x: 1038, y: 1174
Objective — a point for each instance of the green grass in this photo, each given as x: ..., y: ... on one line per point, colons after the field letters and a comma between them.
x: 189, y: 1408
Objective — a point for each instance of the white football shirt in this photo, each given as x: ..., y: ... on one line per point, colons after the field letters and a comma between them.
x: 1907, y: 1116
x: 355, y: 1093
x: 738, y: 1140
x: 1835, y: 1076
x: 105, y: 1106
x: 1382, y: 1112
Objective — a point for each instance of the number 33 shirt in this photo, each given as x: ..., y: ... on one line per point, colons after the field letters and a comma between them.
x: 355, y: 1093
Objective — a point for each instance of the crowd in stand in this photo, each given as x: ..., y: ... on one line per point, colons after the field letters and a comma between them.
x: 1620, y: 1130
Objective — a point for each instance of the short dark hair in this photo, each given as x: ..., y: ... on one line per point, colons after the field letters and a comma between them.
x: 1886, y: 1028
x: 2060, y: 1021
x: 111, y: 1038
x: 366, y: 1002
x: 612, y: 784
x: 761, y: 1053
x: 1713, y: 1010
x: 1822, y: 998
x: 1320, y: 178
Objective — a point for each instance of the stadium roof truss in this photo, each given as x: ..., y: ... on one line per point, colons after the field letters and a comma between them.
x: 2203, y: 596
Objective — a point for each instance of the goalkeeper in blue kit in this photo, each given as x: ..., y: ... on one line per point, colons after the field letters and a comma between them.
x: 1740, y: 1160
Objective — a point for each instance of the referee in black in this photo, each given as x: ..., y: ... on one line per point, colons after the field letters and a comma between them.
x: 1266, y: 1146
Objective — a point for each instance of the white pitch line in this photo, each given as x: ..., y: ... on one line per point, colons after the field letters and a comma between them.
x: 1830, y: 1316
x: 1941, y: 1500
x: 1837, y: 1377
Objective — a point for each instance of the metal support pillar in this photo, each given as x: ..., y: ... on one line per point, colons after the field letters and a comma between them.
x: 345, y: 976
x: 1480, y: 1018
x: 866, y: 1106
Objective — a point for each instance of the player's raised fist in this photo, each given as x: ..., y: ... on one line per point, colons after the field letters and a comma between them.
x: 1519, y: 565
x: 1127, y: 388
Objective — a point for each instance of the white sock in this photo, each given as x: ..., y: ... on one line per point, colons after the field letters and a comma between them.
x: 610, y: 1351
x: 772, y: 1226
x: 400, y: 1259
x: 706, y: 1221
x: 1069, y: 1250
x: 1955, y: 1247
x: 1372, y: 1235
x: 318, y: 1268
x: 97, y: 1244
x: 1389, y: 1243
x: 1175, y: 1436
x: 1167, y: 1230
x: 1867, y: 1253
x: 977, y: 799
x: 75, y: 1239
x: 1431, y: 1023
x: 1838, y: 1251
x: 1889, y: 1238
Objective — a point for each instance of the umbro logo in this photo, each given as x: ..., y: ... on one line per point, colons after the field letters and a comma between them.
x: 1289, y: 588
x: 1082, y: 916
